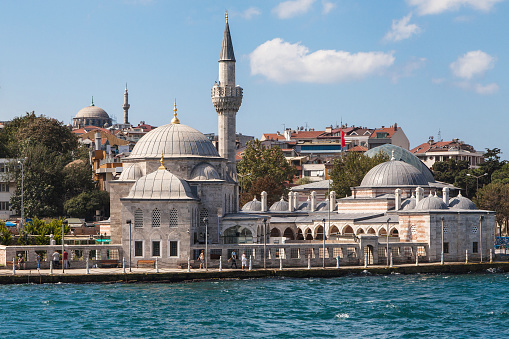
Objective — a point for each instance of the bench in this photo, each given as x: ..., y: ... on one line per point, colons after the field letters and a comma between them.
x: 183, y: 265
x: 148, y: 263
x: 108, y: 263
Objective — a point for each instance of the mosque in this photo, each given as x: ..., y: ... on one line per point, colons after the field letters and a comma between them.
x: 177, y: 194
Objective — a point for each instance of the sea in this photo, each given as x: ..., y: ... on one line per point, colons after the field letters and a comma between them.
x: 366, y: 306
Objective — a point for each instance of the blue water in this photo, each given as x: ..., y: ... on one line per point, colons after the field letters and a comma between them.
x: 442, y: 306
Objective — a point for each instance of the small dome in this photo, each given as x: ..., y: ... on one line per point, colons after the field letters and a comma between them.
x: 279, y: 206
x: 461, y: 203
x: 323, y: 206
x: 204, y: 171
x: 305, y: 206
x: 394, y: 173
x: 131, y: 172
x: 173, y: 140
x: 409, y: 204
x: 432, y: 202
x: 252, y: 206
x: 160, y: 184
x: 92, y: 112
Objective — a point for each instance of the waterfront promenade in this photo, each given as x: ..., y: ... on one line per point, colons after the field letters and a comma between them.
x: 114, y: 275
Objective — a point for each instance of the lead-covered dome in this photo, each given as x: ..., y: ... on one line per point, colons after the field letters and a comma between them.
x: 130, y: 173
x: 160, y: 184
x: 394, y: 173
x: 461, y: 203
x: 204, y: 171
x: 409, y: 204
x: 431, y: 202
x: 279, y: 206
x: 173, y: 140
x: 92, y: 112
x: 252, y: 206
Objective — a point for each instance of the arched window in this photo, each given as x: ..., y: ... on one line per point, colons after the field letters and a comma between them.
x: 275, y: 233
x: 204, y: 213
x: 371, y: 231
x: 300, y: 236
x: 394, y: 232
x: 319, y: 233
x: 138, y: 218
x: 156, y: 218
x: 348, y: 230
x: 238, y: 235
x: 174, y: 218
x: 360, y: 231
x: 288, y: 234
x: 334, y: 231
x: 309, y: 235
x: 382, y: 231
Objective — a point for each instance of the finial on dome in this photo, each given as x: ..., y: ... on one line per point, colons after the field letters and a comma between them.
x: 175, y: 120
x: 459, y: 194
x: 226, y: 16
x: 162, y: 162
x: 254, y: 198
x: 92, y: 101
x: 392, y: 156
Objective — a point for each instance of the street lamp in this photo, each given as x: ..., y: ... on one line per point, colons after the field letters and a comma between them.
x: 480, y: 233
x: 323, y: 235
x: 206, y: 222
x: 388, y: 219
x: 64, y: 223
x: 477, y: 178
x: 22, y: 163
x: 442, y: 256
x: 264, y: 242
x: 128, y: 221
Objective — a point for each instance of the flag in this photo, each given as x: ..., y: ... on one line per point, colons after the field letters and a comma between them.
x: 343, y: 144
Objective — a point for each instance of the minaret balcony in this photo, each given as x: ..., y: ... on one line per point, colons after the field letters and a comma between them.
x: 227, y: 91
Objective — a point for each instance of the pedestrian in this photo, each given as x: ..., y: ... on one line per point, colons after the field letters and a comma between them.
x: 38, y: 258
x: 244, y: 260
x: 56, y: 258
x: 233, y: 259
x: 66, y: 261
x: 202, y: 260
x: 21, y: 262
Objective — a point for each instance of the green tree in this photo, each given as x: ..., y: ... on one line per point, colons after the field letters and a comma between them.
x: 303, y: 181
x: 349, y: 170
x: 5, y: 234
x: 260, y: 162
x: 501, y: 175
x: 447, y: 171
x: 495, y: 197
x: 37, y: 232
x: 274, y: 190
x: 86, y: 203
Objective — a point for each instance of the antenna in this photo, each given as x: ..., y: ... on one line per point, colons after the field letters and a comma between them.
x: 439, y: 135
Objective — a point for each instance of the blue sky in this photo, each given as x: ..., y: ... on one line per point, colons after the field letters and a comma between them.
x: 428, y: 65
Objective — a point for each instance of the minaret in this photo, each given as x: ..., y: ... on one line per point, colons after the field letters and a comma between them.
x: 227, y: 99
x: 126, y: 106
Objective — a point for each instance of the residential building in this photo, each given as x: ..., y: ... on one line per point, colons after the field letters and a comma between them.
x: 433, y: 151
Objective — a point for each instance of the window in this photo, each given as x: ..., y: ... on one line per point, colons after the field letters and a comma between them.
x: 4, y: 187
x: 4, y: 205
x: 204, y: 213
x: 475, y: 247
x: 474, y: 229
x: 156, y: 248
x: 381, y: 135
x: 413, y: 229
x: 446, y: 247
x: 174, y: 248
x: 446, y: 229
x: 174, y: 219
x: 156, y: 218
x: 138, y: 248
x: 138, y: 218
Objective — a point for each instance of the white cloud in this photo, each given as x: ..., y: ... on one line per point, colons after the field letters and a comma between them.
x: 250, y: 12
x: 283, y: 62
x: 472, y: 64
x: 425, y: 7
x: 408, y: 69
x: 401, y: 29
x: 488, y: 89
x: 327, y: 6
x: 438, y: 81
x: 290, y: 9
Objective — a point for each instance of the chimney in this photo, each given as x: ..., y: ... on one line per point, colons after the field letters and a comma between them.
x: 264, y: 201
x: 290, y: 202
x: 328, y: 129
x: 288, y: 134
x: 419, y: 194
x: 97, y: 141
x: 397, y: 194
x: 445, y: 195
x: 395, y: 126
x: 312, y: 202
x: 332, y: 200
x: 295, y: 200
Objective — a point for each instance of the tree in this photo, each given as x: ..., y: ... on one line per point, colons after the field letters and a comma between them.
x: 303, y: 181
x: 260, y: 162
x: 274, y: 190
x: 447, y: 171
x: 349, y: 170
x: 5, y: 234
x: 37, y: 232
x: 495, y: 197
x: 501, y: 175
x: 86, y: 203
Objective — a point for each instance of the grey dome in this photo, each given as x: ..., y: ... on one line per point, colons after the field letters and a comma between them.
x: 409, y: 204
x: 323, y: 206
x: 305, y: 206
x: 160, y: 184
x: 131, y: 172
x: 461, y: 203
x: 252, y: 206
x: 92, y: 112
x: 402, y: 155
x: 204, y: 171
x: 173, y: 140
x: 431, y: 202
x: 279, y: 206
x: 394, y: 173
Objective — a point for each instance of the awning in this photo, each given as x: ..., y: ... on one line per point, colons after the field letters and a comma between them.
x: 10, y: 224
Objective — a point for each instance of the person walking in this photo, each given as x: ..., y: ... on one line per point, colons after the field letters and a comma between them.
x: 38, y: 258
x: 56, y: 258
x: 233, y: 259
x: 66, y: 259
x: 244, y: 260
x: 202, y: 260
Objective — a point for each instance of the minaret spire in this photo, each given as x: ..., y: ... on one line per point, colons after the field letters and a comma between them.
x: 175, y: 120
x: 126, y: 106
x: 227, y: 98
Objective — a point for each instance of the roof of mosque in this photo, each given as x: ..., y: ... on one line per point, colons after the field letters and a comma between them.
x: 161, y: 184
x: 393, y: 173
x: 92, y: 112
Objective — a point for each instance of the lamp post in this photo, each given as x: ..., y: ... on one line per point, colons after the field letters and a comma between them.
x: 388, y: 219
x: 477, y: 178
x: 64, y: 223
x: 128, y: 221
x: 323, y: 236
x: 480, y: 233
x: 264, y: 242
x: 442, y: 255
x: 206, y: 222
x: 22, y: 163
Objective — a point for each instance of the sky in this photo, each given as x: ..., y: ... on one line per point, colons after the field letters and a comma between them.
x: 431, y: 66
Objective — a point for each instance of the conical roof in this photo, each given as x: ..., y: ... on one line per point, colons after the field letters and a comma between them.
x: 227, y: 45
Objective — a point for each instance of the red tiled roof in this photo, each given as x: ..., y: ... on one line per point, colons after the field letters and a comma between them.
x: 273, y: 136
x: 87, y: 129
x: 389, y: 130
x: 357, y: 148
